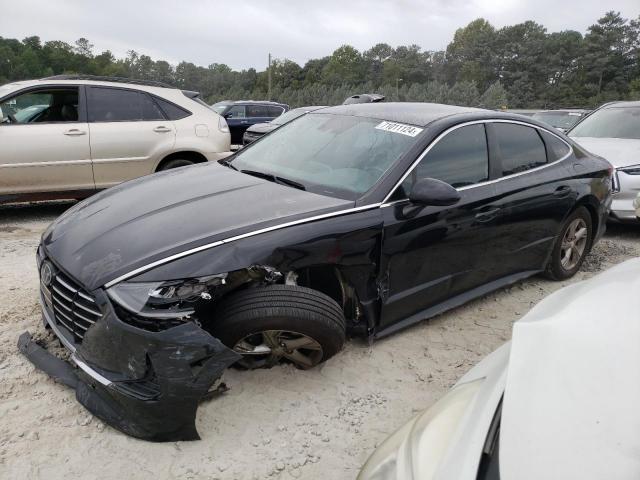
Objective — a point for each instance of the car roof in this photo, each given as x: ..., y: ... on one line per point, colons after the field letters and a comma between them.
x: 420, y: 114
x: 80, y: 80
x: 565, y: 110
x: 633, y: 103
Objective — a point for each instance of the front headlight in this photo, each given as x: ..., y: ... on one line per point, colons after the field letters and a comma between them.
x: 630, y: 170
x: 415, y: 451
x: 175, y: 299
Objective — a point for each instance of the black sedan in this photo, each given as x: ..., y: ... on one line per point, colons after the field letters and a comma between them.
x: 359, y: 219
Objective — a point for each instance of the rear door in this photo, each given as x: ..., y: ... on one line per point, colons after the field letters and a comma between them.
x: 129, y: 134
x: 430, y: 254
x: 258, y: 114
x: 45, y: 147
x: 536, y: 193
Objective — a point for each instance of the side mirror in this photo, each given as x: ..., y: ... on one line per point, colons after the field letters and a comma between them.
x: 227, y: 115
x: 432, y: 192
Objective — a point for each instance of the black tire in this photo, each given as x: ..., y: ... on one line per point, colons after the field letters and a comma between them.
x: 555, y: 270
x: 175, y: 163
x: 279, y: 307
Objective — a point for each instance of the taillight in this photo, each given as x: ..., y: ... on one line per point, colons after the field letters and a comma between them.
x: 222, y: 124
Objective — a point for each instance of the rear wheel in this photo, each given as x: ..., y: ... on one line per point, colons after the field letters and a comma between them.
x: 572, y: 246
x: 267, y: 325
x: 175, y: 163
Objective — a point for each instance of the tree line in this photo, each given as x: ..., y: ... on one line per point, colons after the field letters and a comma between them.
x: 517, y: 66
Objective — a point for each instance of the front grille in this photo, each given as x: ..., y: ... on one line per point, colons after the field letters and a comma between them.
x: 73, y: 307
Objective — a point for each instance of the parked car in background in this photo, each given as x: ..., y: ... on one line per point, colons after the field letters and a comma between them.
x: 525, y: 112
x: 563, y: 120
x: 613, y: 132
x: 559, y: 402
x: 68, y: 136
x: 242, y: 114
x: 256, y: 131
x: 364, y: 98
x: 357, y: 218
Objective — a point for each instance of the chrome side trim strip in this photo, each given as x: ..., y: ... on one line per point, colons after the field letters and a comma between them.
x: 385, y: 202
x: 90, y: 371
x: 186, y: 253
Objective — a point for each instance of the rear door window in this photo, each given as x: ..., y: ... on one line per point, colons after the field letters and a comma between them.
x: 521, y: 148
x: 257, y: 111
x: 120, y: 105
x: 274, y: 111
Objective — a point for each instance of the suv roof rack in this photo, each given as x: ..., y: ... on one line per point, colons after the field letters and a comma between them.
x: 97, y: 78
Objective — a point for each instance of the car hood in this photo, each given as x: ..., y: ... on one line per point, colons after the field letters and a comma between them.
x: 570, y: 408
x: 262, y: 127
x: 151, y: 218
x: 620, y: 152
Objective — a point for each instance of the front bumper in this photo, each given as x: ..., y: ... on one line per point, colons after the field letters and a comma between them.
x: 145, y: 384
x: 622, y: 208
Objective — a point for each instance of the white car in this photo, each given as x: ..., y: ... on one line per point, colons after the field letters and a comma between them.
x: 68, y: 136
x: 613, y: 132
x: 559, y: 402
x: 636, y: 204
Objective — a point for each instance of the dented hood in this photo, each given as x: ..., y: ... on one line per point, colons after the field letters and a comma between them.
x: 571, y: 401
x: 157, y: 216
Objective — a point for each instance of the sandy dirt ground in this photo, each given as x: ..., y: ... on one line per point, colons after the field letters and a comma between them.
x: 280, y: 423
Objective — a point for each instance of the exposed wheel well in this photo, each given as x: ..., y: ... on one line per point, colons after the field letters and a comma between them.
x: 195, y: 157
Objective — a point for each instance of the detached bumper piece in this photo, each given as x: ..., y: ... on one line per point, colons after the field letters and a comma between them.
x: 159, y: 407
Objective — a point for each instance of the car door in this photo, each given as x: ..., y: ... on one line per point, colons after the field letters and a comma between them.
x: 430, y: 254
x: 258, y: 114
x: 536, y: 192
x: 129, y: 134
x: 44, y: 146
x: 237, y: 121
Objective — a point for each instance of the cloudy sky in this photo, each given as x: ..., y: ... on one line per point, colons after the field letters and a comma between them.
x: 240, y: 33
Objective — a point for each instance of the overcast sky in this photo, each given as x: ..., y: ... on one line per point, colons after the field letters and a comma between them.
x: 240, y: 33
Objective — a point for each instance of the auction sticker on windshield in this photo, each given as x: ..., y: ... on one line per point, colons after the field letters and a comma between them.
x: 408, y: 130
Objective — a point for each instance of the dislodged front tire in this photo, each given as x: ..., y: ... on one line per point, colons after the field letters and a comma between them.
x: 572, y: 245
x: 280, y: 322
x: 175, y: 163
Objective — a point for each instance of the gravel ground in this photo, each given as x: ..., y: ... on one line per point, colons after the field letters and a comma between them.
x: 280, y: 423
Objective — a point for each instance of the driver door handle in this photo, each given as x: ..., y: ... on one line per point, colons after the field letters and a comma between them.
x: 162, y: 129
x: 74, y: 132
x: 487, y: 214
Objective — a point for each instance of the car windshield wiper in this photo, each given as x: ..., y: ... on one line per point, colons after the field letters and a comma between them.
x: 275, y: 179
x: 227, y: 163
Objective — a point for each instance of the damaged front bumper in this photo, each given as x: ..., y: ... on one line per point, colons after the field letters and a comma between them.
x: 145, y: 384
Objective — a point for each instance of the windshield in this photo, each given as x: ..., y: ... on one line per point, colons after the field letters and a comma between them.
x: 564, y: 120
x: 219, y: 107
x: 334, y: 155
x: 610, y: 122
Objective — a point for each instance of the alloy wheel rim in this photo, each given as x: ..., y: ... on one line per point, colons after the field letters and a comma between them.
x: 574, y: 244
x: 269, y: 347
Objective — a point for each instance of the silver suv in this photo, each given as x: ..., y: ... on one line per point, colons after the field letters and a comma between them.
x: 68, y: 136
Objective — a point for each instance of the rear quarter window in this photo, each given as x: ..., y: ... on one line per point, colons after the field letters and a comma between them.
x: 172, y: 111
x: 556, y: 148
x: 521, y: 148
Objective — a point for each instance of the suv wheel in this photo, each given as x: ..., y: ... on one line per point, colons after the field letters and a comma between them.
x: 280, y: 323
x: 175, y: 163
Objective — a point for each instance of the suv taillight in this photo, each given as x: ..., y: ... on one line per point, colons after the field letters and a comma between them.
x: 222, y: 124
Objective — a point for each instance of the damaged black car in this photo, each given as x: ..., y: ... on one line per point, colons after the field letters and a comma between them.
x: 353, y: 220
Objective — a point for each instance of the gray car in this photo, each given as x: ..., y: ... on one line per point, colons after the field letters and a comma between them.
x: 557, y: 402
x: 613, y: 132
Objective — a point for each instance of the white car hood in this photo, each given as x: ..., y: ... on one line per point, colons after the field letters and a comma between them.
x: 620, y: 152
x: 572, y: 399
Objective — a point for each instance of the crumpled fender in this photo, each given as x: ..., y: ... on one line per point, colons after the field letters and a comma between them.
x: 159, y: 407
